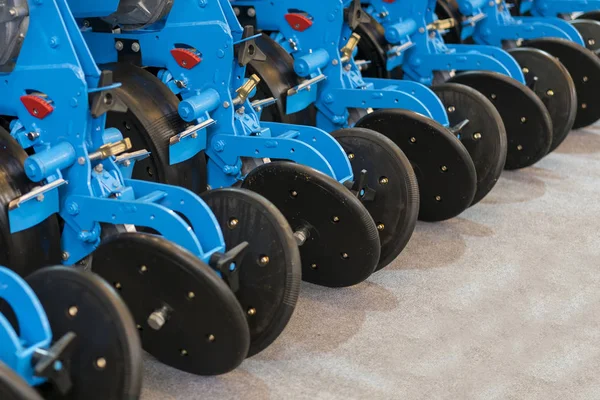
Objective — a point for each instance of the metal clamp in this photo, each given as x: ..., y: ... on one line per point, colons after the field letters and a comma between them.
x: 191, y: 130
x: 246, y: 89
x: 306, y: 85
x: 442, y: 24
x: 37, y: 193
x: 349, y: 47
x: 111, y: 149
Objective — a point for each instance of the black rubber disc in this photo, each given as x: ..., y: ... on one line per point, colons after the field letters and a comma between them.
x: 484, y: 136
x: 270, y: 273
x: 373, y: 47
x: 526, y: 119
x: 444, y: 169
x: 584, y: 68
x: 277, y: 76
x: 553, y: 84
x: 395, y: 206
x: 590, y: 31
x: 593, y: 15
x: 206, y: 332
x: 107, y: 360
x: 36, y: 247
x: 13, y: 387
x: 342, y: 245
x: 151, y: 120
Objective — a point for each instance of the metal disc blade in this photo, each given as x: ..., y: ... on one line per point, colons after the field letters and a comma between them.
x: 590, y: 31
x: 553, y: 84
x: 152, y: 118
x: 36, y: 247
x: 484, y: 136
x: 107, y: 360
x: 444, y: 169
x: 526, y: 119
x: 584, y: 68
x: 270, y: 272
x: 342, y: 245
x: 395, y: 206
x: 205, y: 330
x: 13, y: 387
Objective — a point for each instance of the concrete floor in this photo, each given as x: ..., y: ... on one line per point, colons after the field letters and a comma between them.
x: 500, y: 303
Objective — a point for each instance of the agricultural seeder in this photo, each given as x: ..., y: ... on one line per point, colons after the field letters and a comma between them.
x: 491, y: 23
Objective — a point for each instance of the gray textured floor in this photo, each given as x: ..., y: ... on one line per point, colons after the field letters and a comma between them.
x: 500, y: 303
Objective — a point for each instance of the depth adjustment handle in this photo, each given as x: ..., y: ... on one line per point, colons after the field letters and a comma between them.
x: 442, y: 24
x: 246, y: 89
x: 54, y: 363
x: 229, y: 263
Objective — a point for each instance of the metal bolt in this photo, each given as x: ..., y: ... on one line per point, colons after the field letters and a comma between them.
x: 135, y: 46
x: 143, y: 269
x: 519, y: 147
x: 451, y: 109
x: 12, y: 12
x: 444, y: 168
x: 81, y: 160
x: 101, y: 363
x: 380, y: 227
x: 438, y: 198
x: 335, y: 219
x: 65, y: 255
x: 183, y: 352
x: 525, y: 70
x: 351, y: 156
x: 550, y: 92
x: 236, y: 10
x: 523, y: 120
x: 583, y: 105
x: 158, y: 318
x: 233, y: 222
x: 345, y: 256
x: 73, y: 310
x: 191, y: 295
x: 251, y: 12
x: 313, y: 266
x: 383, y: 180
x: 118, y: 286
x: 300, y: 237
x: 413, y: 139
x: 252, y: 311
x: 264, y: 260
x: 493, y: 96
x: 211, y: 338
x: 421, y: 30
x: 585, y: 78
x: 99, y: 168
x: 194, y: 135
x: 591, y: 42
x: 293, y: 193
x: 40, y: 198
x: 335, y: 61
x: 477, y: 136
x: 119, y: 45
x: 226, y: 104
x: 33, y: 135
x: 126, y: 163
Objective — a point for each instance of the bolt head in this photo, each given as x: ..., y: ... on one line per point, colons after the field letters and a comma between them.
x: 477, y: 136
x: 119, y: 45
x: 252, y: 311
x: 380, y: 227
x: 384, y: 181
x: 264, y: 260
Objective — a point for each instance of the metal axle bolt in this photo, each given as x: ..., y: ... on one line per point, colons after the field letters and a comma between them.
x: 550, y: 92
x: 444, y: 168
x: 119, y: 45
x: 477, y: 136
x: 380, y: 227
x: 264, y: 260
x: 233, y: 222
x: 252, y: 311
x: 384, y: 180
x: 158, y: 318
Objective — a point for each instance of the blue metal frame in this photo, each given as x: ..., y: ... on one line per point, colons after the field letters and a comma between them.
x: 420, y: 49
x: 17, y: 350
x: 493, y: 24
x: 208, y: 90
x: 56, y: 69
x: 552, y: 8
x: 338, y: 80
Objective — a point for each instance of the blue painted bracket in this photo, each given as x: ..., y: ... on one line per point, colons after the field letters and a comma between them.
x: 552, y: 8
x: 16, y: 351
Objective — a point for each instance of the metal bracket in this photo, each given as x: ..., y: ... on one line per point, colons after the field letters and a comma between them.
x: 355, y: 15
x: 37, y: 193
x: 247, y: 50
x: 111, y: 149
x: 102, y: 99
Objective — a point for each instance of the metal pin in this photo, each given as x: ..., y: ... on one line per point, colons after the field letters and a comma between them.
x: 413, y: 139
x: 383, y: 180
x: 351, y: 156
x: 264, y: 260
x: 233, y: 222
